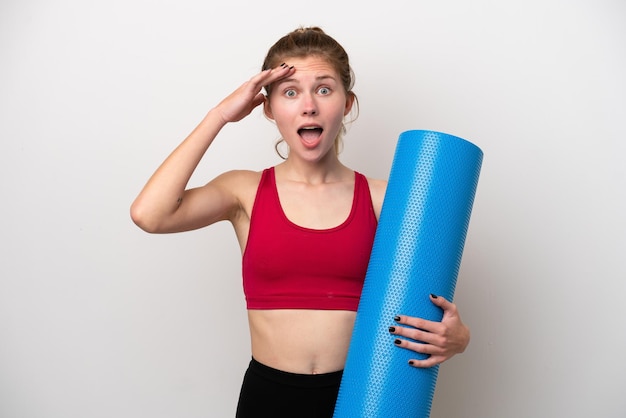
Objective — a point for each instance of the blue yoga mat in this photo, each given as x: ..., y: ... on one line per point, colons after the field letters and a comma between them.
x: 417, y: 251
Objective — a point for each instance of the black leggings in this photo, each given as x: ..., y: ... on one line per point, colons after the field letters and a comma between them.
x: 267, y: 392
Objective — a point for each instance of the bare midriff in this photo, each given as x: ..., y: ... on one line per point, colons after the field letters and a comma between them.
x: 301, y: 341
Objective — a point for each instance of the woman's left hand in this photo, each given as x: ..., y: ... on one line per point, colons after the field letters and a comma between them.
x: 440, y: 340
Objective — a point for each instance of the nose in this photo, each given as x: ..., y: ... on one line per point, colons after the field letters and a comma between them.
x: 309, y: 106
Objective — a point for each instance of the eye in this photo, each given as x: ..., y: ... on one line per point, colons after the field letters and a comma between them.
x: 290, y: 93
x: 323, y: 91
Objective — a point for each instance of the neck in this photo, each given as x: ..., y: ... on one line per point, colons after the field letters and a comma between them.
x: 329, y: 170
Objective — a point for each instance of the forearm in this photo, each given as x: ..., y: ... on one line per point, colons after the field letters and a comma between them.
x: 156, y: 207
x: 163, y: 193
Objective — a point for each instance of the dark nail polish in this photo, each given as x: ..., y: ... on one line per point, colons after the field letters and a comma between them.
x: 283, y: 64
x: 291, y: 68
x: 397, y: 341
x: 411, y: 362
x: 396, y: 318
x: 392, y: 329
x: 432, y: 295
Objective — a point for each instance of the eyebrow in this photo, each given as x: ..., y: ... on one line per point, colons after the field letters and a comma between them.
x: 294, y: 80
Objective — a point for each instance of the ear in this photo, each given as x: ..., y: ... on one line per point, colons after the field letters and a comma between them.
x: 267, y: 108
x: 349, y: 103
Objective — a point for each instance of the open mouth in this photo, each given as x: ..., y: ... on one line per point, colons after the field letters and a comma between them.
x: 310, y: 133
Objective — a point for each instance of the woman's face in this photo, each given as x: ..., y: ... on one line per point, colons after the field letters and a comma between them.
x: 308, y: 107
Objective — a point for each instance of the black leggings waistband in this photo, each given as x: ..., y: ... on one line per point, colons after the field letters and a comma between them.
x: 267, y: 392
x: 296, y: 379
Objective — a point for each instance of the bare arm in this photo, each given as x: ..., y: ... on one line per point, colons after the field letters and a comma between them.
x: 164, y: 204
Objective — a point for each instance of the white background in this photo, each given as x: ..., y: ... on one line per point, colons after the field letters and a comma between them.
x: 99, y: 319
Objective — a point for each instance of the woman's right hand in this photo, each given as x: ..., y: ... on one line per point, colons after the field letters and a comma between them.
x: 242, y: 101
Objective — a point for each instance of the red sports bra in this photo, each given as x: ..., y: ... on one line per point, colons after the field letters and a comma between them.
x: 286, y: 266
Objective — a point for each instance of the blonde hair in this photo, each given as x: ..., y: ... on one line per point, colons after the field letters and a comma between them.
x: 313, y: 41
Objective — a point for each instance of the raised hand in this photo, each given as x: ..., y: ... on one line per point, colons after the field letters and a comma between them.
x: 242, y: 101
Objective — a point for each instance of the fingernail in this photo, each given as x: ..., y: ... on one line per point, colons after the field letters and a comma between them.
x: 283, y: 64
x: 432, y: 295
x: 411, y: 362
x: 397, y: 341
x: 392, y: 329
x: 291, y: 68
x: 396, y: 318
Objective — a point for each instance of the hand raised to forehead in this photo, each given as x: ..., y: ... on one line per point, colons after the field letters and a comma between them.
x: 242, y: 101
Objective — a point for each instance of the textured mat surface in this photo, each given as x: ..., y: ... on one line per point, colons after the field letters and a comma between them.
x: 417, y: 251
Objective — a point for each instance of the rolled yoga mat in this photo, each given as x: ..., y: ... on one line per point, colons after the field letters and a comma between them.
x: 417, y: 251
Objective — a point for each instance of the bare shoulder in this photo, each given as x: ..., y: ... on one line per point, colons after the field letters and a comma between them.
x: 238, y: 179
x: 377, y: 191
x: 241, y: 185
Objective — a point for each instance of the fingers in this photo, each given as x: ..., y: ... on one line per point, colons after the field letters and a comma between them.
x: 420, y: 341
x: 449, y: 310
x: 429, y: 362
x: 432, y: 355
x: 258, y: 99
x: 437, y: 341
x: 272, y: 75
x: 419, y: 324
x: 420, y: 335
x: 419, y: 347
x: 248, y: 96
x: 443, y: 303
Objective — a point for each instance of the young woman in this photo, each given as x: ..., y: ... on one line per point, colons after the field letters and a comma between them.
x: 305, y: 227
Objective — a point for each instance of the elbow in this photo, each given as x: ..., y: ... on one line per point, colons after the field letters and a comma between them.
x: 141, y: 217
